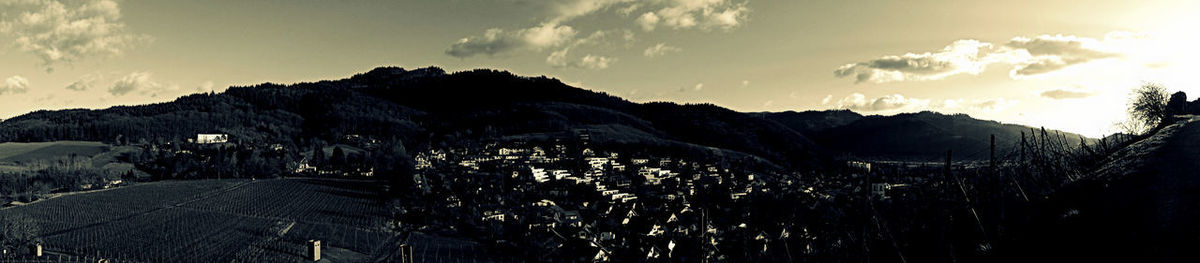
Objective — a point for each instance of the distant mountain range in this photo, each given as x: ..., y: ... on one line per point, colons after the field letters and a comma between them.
x: 429, y: 107
x: 909, y: 136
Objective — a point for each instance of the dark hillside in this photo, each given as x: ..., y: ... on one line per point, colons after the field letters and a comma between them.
x: 813, y: 121
x: 923, y: 136
x: 419, y: 107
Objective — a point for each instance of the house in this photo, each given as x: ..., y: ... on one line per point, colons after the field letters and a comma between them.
x: 211, y: 138
x: 656, y: 231
x: 560, y: 174
x: 879, y: 190
x: 493, y: 215
x: 860, y: 165
x: 544, y: 203
x: 539, y: 174
x: 597, y: 162
x: 571, y: 218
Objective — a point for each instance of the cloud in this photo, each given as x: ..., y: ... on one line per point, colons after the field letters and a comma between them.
x: 595, y: 62
x: 495, y: 41
x: 628, y: 10
x: 1075, y: 92
x: 61, y: 32
x: 555, y: 32
x: 648, y: 21
x: 699, y: 86
x: 860, y: 102
x: 561, y: 59
x: 79, y: 85
x: 1028, y: 56
x: 133, y: 82
x: 703, y: 14
x: 14, y: 85
x: 823, y: 101
x: 616, y: 37
x: 963, y: 56
x: 975, y: 105
x: 208, y: 86
x: 659, y: 50
x: 86, y: 82
x: 1046, y: 53
x: 142, y: 83
x: 678, y: 14
x: 547, y: 35
x: 896, y: 102
x: 567, y: 10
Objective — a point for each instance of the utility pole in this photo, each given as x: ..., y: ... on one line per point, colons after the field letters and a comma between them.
x: 948, y: 152
x: 1022, y: 148
x: 992, y: 156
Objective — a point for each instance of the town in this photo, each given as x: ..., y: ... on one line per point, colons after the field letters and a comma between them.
x: 567, y: 199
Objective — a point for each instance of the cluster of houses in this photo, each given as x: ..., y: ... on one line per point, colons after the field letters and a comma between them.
x: 609, y: 200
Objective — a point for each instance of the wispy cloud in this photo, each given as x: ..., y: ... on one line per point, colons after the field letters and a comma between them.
x: 14, y: 85
x: 61, y: 32
x: 974, y: 105
x: 561, y: 58
x: 1073, y: 92
x: 1028, y: 56
x: 659, y: 50
x: 495, y: 41
x: 205, y: 86
x: 963, y: 56
x: 896, y: 103
x: 142, y: 83
x: 85, y: 82
x: 860, y: 102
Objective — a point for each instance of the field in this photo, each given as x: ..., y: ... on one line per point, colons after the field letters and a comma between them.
x: 19, y: 152
x: 215, y: 221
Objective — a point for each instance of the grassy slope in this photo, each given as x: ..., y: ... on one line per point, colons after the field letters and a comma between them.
x: 17, y: 152
x: 1140, y: 206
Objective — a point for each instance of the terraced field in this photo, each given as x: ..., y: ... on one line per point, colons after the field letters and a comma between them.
x: 214, y: 221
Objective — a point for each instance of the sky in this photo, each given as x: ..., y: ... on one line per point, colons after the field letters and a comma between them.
x: 1067, y: 65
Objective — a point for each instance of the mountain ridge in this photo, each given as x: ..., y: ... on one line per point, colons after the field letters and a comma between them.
x: 421, y: 107
x: 428, y: 106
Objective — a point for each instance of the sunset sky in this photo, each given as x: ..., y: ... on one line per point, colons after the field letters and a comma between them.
x: 1060, y: 64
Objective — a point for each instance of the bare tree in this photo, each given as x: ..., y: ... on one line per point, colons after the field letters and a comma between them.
x: 17, y: 232
x: 1148, y: 108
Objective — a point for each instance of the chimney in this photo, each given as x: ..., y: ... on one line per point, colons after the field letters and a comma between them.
x: 406, y: 253
x: 314, y: 249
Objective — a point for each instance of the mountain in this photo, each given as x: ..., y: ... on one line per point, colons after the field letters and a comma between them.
x: 808, y: 122
x: 921, y: 136
x: 428, y: 107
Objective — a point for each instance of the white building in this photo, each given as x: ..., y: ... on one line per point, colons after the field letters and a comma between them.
x: 212, y: 138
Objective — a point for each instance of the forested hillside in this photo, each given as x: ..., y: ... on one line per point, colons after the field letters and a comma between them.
x: 423, y: 107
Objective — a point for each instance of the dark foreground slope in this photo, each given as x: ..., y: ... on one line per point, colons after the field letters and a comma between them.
x: 1143, y: 205
x: 426, y: 107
